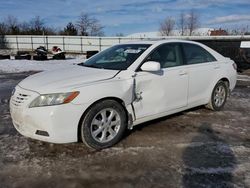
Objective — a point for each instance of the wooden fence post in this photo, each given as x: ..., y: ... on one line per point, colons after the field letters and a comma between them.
x: 100, y: 44
x: 31, y: 40
x: 17, y: 43
x: 81, y: 45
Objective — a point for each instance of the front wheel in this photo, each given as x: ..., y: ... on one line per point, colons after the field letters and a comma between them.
x: 103, y: 124
x: 218, y: 97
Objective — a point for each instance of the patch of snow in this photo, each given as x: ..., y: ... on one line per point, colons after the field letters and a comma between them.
x: 219, y: 170
x: 243, y: 78
x: 132, y: 150
x: 192, y: 144
x: 240, y: 149
x: 243, y: 168
x: 11, y: 66
x: 224, y: 148
x: 138, y: 148
x: 193, y: 113
x: 227, y: 126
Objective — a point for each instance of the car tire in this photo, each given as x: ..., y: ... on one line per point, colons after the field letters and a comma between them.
x: 103, y: 125
x: 40, y: 57
x: 20, y: 57
x: 4, y: 56
x: 218, y: 97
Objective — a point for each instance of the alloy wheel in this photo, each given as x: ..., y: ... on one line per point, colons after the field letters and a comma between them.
x: 105, y: 125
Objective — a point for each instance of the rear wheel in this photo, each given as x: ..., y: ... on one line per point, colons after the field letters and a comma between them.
x: 103, y: 125
x: 219, y: 96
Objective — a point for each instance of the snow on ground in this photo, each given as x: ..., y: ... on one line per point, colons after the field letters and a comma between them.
x: 245, y: 78
x: 11, y: 66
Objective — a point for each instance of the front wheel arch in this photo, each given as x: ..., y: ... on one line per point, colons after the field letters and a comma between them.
x: 120, y: 101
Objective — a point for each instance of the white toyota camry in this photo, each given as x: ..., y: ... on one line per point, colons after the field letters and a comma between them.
x: 118, y: 88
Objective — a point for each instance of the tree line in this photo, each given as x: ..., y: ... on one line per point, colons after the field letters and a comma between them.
x: 85, y: 26
x: 188, y: 22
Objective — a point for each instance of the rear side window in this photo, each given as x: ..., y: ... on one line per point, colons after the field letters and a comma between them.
x: 195, y: 54
x: 168, y: 55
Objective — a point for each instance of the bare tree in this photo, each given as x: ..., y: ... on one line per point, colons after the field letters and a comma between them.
x: 3, y: 28
x: 3, y: 31
x: 49, y: 31
x: 96, y: 28
x: 25, y: 28
x: 83, y: 24
x: 3, y: 42
x: 167, y: 26
x: 192, y: 22
x: 37, y: 26
x: 238, y: 30
x: 182, y: 23
x: 12, y: 25
x: 87, y: 25
x: 243, y: 29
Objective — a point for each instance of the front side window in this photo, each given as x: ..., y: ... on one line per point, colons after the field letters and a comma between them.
x: 118, y: 57
x: 195, y: 54
x: 168, y: 55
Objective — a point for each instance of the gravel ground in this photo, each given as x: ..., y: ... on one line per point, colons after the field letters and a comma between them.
x: 196, y: 148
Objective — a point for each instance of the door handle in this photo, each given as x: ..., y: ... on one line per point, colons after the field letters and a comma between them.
x: 216, y: 66
x: 181, y: 73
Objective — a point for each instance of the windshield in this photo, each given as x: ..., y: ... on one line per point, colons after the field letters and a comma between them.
x: 118, y: 57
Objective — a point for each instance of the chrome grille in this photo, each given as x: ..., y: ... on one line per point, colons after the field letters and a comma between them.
x: 21, y: 97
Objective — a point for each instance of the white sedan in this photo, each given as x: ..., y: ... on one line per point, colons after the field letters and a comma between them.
x: 118, y: 88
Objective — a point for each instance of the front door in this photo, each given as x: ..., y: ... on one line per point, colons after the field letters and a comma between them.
x: 165, y: 90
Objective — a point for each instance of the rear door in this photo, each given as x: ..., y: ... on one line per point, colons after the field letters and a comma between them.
x: 202, y: 68
x: 164, y: 90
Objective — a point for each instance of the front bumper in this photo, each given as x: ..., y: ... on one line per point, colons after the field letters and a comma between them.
x: 60, y: 122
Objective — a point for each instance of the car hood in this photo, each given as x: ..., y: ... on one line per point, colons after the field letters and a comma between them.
x: 65, y: 79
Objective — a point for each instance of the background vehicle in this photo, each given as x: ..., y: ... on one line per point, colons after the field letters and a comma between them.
x: 243, y: 57
x: 119, y: 88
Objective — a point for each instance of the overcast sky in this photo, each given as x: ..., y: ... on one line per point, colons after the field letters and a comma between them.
x: 129, y: 16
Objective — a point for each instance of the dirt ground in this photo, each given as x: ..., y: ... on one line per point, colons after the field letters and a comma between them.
x: 196, y: 148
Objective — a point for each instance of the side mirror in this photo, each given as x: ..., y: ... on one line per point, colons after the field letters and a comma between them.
x: 151, y: 66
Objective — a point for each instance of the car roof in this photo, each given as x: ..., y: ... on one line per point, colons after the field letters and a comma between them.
x: 160, y: 41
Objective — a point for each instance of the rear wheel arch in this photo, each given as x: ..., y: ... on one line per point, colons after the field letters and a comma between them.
x: 120, y: 101
x: 225, y: 83
x: 213, y: 84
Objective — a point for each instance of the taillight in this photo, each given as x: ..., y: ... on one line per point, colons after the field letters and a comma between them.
x: 235, y: 66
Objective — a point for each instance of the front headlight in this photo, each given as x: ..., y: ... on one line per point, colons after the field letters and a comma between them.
x: 53, y: 99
